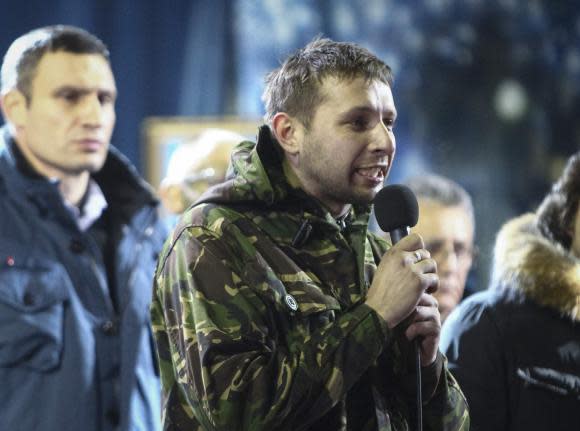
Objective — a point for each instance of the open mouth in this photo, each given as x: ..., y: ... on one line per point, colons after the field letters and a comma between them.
x: 375, y: 173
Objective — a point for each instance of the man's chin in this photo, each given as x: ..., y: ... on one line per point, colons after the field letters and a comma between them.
x: 364, y: 197
x: 95, y: 164
x: 91, y: 168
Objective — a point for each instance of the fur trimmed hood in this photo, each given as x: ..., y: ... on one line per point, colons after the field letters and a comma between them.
x: 543, y: 271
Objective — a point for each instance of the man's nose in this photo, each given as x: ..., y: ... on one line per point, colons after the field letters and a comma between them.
x: 447, y: 259
x: 383, y: 139
x: 91, y: 111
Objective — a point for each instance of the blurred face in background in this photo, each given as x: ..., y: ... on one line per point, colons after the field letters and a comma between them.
x: 448, y: 234
x: 194, y: 168
x: 66, y: 127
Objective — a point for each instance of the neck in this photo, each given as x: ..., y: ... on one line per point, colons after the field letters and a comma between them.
x: 343, y: 214
x: 294, y: 180
x: 290, y: 174
x: 73, y: 188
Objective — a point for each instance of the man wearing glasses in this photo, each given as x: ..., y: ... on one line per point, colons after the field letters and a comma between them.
x: 447, y: 225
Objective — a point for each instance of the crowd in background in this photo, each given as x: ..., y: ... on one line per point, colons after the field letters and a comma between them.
x: 487, y: 95
x: 492, y: 83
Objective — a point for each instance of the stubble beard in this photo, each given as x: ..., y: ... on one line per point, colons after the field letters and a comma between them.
x: 330, y: 187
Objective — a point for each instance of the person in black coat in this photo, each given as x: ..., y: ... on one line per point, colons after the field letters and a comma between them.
x: 515, y: 348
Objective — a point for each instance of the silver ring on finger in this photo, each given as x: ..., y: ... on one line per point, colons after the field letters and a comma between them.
x: 418, y: 256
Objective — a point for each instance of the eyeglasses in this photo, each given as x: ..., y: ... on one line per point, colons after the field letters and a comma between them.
x: 440, y: 249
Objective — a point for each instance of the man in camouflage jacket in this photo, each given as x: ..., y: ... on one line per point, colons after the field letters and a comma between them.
x: 274, y: 308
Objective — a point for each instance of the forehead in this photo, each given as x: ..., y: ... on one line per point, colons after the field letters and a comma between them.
x: 341, y: 94
x: 57, y: 69
x: 440, y: 221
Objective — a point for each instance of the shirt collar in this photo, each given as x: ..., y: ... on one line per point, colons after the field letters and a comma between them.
x: 93, y: 206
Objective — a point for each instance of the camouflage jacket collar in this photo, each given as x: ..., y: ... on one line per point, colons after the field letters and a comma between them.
x: 256, y: 180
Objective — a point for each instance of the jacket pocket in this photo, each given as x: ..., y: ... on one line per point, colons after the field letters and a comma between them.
x: 550, y: 380
x: 32, y: 299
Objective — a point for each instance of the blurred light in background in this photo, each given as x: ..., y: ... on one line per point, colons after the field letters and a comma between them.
x: 511, y: 100
x: 488, y: 91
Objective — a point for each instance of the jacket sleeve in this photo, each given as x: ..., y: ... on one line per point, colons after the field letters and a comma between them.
x: 444, y: 405
x: 472, y: 342
x: 233, y: 368
x: 446, y: 409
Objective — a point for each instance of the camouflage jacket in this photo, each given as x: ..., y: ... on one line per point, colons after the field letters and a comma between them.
x: 259, y: 318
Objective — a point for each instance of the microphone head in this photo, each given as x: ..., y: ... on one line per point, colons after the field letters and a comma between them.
x: 396, y: 207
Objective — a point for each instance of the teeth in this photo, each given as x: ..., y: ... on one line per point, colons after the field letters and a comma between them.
x: 371, y: 172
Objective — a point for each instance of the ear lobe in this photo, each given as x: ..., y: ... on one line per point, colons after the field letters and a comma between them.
x: 288, y: 132
x: 15, y: 108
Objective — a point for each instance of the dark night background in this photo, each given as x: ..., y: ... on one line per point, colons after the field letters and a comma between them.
x: 487, y: 91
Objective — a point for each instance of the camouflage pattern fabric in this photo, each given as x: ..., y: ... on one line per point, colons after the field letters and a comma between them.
x: 256, y: 332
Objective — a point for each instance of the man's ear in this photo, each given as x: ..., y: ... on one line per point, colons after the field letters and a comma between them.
x: 14, y: 108
x: 289, y: 132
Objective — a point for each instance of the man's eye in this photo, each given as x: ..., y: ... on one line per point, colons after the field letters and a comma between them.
x: 434, y: 247
x: 105, y: 98
x: 462, y: 250
x: 389, y: 123
x: 359, y: 123
x: 71, y: 97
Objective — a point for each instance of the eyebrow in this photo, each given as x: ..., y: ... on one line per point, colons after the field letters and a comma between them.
x: 368, y: 110
x: 60, y: 91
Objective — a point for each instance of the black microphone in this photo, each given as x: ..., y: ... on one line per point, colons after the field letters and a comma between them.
x: 396, y: 211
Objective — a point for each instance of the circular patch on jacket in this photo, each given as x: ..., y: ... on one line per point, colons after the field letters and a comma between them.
x: 291, y: 302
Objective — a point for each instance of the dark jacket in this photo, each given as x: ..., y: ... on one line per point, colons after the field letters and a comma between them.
x: 260, y: 320
x: 515, y: 349
x: 70, y: 357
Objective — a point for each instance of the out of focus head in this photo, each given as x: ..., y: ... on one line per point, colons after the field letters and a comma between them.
x: 559, y: 213
x: 24, y: 54
x: 58, y: 96
x: 195, y: 166
x: 447, y: 225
